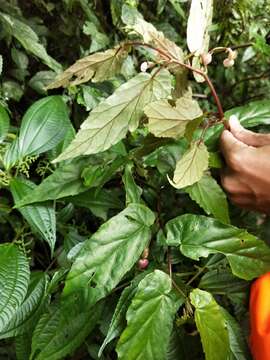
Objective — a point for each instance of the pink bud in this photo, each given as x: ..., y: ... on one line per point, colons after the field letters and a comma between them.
x: 206, y: 58
x: 143, y: 263
x: 228, y: 62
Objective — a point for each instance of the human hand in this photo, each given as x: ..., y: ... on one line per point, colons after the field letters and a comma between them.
x: 246, y: 177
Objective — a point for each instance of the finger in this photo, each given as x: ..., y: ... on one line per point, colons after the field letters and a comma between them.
x: 231, y: 149
x: 233, y: 184
x: 246, y: 136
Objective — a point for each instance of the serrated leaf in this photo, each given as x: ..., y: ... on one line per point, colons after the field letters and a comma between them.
x: 59, y: 333
x: 4, y: 123
x: 199, y: 20
x: 111, y: 252
x: 118, y: 321
x: 26, y: 314
x: 165, y: 120
x: 14, y: 279
x: 190, y: 168
x: 28, y: 39
x: 64, y: 181
x: 219, y: 331
x: 152, y: 36
x: 210, y: 196
x: 109, y: 122
x: 43, y: 126
x: 200, y: 236
x: 40, y: 217
x: 133, y: 191
x: 96, y: 67
x: 153, y: 308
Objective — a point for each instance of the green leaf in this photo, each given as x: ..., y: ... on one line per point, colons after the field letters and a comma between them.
x: 43, y: 126
x: 111, y: 252
x: 98, y: 201
x: 14, y: 279
x: 41, y: 218
x: 28, y: 39
x: 166, y: 120
x: 210, y: 196
x: 190, y: 168
x: 4, y: 123
x: 59, y: 333
x: 98, y: 67
x: 23, y: 346
x: 199, y: 20
x: 222, y: 281
x: 200, y: 236
x: 28, y: 312
x: 110, y: 121
x: 64, y: 181
x: 118, y: 321
x: 133, y: 191
x: 220, y: 333
x: 253, y: 114
x: 153, y: 308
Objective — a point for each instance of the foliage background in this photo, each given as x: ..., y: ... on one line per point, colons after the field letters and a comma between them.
x: 72, y: 29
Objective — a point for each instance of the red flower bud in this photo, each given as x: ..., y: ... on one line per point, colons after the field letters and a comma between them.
x: 143, y: 264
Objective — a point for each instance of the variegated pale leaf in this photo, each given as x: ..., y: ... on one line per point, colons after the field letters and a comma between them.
x: 200, y: 18
x: 96, y: 67
x: 191, y: 166
x: 166, y: 120
x: 109, y: 122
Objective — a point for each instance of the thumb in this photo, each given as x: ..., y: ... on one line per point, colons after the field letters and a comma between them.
x: 246, y: 136
x: 230, y: 144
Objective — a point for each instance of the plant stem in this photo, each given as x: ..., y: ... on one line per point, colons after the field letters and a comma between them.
x: 196, y: 275
x: 189, y: 67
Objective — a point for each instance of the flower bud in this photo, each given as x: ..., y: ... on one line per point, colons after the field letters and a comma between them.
x: 144, y: 66
x: 228, y: 62
x: 143, y: 264
x: 206, y: 59
x: 232, y: 54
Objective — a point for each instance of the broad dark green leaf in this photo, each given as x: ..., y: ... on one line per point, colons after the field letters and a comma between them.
x: 43, y: 126
x: 199, y: 236
x: 40, y: 217
x: 210, y: 196
x: 23, y: 346
x: 59, y: 333
x: 121, y: 112
x: 28, y: 312
x: 4, y: 123
x: 133, y: 191
x: 220, y: 333
x: 28, y: 39
x: 111, y: 252
x: 149, y: 319
x: 64, y: 181
x: 99, y: 201
x: 118, y: 321
x: 190, y: 168
x: 222, y: 281
x: 253, y: 114
x: 14, y: 279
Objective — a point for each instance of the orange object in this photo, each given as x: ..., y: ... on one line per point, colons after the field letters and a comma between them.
x: 259, y: 307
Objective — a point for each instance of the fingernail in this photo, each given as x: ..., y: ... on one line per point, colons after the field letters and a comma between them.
x: 234, y: 121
